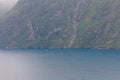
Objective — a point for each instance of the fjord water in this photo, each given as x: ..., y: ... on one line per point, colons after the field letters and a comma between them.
x: 59, y: 64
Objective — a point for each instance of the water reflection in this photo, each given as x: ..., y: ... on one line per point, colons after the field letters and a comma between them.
x: 59, y: 65
x: 13, y: 67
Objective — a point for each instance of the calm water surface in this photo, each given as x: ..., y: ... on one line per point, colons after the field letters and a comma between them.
x: 59, y: 64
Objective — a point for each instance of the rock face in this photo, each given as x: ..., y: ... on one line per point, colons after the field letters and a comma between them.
x: 62, y: 24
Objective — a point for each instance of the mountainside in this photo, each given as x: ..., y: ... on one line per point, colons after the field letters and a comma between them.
x: 62, y: 24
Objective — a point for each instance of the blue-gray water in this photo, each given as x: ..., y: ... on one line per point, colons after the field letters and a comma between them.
x: 59, y: 64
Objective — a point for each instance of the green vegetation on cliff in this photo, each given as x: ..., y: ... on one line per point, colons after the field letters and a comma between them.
x: 62, y: 24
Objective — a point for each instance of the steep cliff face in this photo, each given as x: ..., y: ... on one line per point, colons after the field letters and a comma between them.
x: 61, y: 24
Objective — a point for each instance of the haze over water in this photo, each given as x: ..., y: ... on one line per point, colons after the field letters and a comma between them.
x: 59, y: 64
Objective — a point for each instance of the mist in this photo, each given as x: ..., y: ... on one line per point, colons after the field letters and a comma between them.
x: 6, y: 5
